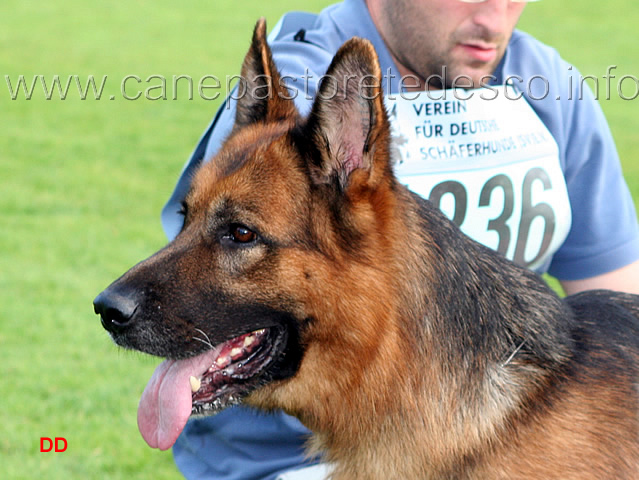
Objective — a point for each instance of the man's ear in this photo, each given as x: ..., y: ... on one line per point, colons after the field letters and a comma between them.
x: 262, y: 96
x: 348, y: 122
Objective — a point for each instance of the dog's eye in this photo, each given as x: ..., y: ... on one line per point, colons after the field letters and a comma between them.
x: 240, y: 234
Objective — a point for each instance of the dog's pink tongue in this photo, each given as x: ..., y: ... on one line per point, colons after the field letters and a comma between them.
x: 165, y: 405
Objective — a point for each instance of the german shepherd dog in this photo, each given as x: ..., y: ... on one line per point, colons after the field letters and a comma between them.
x: 307, y: 278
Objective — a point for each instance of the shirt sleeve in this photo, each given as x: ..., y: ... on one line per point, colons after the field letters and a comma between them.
x: 604, y: 233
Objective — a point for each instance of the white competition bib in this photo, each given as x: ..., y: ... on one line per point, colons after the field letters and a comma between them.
x: 489, y: 164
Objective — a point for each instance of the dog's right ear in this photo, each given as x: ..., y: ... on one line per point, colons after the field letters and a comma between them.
x: 348, y: 123
x: 262, y: 96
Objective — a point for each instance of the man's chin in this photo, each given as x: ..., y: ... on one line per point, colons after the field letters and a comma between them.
x: 475, y: 75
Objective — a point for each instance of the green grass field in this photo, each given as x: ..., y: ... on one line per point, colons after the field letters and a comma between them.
x: 83, y: 182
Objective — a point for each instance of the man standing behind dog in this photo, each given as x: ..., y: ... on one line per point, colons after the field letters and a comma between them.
x: 586, y: 231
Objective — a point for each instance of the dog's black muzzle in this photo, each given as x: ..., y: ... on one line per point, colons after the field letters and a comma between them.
x: 116, y: 310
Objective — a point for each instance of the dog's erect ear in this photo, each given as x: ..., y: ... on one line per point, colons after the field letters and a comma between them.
x: 262, y: 96
x: 348, y: 122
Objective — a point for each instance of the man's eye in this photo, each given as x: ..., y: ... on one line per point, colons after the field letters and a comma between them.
x: 241, y: 234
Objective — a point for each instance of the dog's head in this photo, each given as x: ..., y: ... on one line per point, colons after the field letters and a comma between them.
x: 285, y: 242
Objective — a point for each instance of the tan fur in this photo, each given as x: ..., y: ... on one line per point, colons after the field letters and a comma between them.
x: 425, y: 356
x: 377, y: 406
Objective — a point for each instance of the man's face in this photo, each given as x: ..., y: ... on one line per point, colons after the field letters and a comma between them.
x: 424, y: 35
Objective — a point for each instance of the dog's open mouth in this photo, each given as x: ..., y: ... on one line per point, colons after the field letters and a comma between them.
x: 236, y: 369
x: 207, y: 383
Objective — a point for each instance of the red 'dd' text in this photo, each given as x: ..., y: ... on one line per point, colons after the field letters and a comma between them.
x: 59, y: 444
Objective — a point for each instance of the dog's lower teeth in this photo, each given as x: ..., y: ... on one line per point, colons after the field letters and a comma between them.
x: 195, y: 383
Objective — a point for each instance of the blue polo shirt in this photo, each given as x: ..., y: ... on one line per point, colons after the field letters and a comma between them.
x: 242, y: 444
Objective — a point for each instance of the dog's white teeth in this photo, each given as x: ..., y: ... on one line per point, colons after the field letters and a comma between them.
x: 195, y: 383
x: 235, y: 353
x: 261, y: 331
x: 248, y: 341
x: 222, y: 361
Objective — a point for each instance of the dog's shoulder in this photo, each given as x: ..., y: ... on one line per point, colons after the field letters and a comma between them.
x: 606, y: 320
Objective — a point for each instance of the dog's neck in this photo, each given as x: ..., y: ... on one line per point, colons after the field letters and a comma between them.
x: 462, y: 306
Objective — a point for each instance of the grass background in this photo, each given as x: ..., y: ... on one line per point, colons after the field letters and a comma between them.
x: 83, y: 182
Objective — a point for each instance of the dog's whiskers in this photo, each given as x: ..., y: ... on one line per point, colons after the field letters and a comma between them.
x: 512, y: 355
x: 205, y: 342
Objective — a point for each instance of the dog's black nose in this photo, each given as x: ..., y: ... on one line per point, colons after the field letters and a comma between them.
x: 116, y: 311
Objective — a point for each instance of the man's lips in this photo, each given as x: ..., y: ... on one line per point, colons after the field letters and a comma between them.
x: 479, y: 52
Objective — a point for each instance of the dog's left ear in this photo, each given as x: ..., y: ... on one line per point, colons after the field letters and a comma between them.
x: 348, y: 122
x: 262, y: 94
